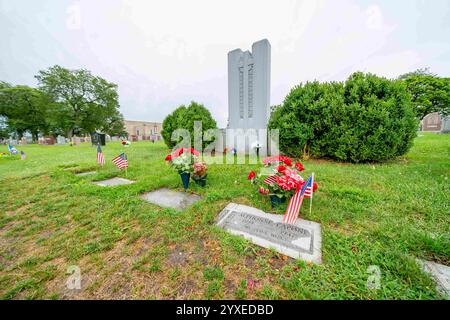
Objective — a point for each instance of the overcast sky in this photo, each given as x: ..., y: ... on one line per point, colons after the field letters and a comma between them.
x: 166, y: 53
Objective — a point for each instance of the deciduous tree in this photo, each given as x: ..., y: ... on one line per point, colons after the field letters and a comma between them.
x: 25, y: 109
x: 429, y: 92
x: 85, y: 103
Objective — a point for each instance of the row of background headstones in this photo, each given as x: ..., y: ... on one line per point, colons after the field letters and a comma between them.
x: 60, y: 140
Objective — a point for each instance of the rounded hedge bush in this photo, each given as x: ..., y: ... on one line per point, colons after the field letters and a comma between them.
x: 367, y: 118
x: 183, y: 118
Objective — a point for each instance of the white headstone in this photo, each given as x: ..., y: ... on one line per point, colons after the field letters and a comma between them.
x: 249, y: 94
x: 60, y: 140
x: 445, y: 126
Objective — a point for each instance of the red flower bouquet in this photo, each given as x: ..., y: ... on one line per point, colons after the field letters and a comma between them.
x: 184, y: 160
x: 125, y: 143
x: 200, y: 173
x: 280, y: 178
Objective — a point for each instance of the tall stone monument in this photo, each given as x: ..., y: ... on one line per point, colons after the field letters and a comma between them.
x: 248, y: 96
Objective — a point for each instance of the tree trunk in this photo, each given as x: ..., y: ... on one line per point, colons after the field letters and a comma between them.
x: 34, y: 137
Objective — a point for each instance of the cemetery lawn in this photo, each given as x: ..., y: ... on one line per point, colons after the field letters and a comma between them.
x: 385, y: 215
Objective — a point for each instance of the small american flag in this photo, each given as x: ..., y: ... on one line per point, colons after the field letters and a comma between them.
x: 121, y: 161
x: 296, y: 202
x: 270, y: 179
x: 100, y: 156
x: 309, y: 191
x: 12, y: 150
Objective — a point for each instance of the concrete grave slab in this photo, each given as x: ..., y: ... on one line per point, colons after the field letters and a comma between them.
x: 87, y: 173
x: 301, y: 240
x: 440, y: 274
x: 171, y: 199
x: 116, y: 181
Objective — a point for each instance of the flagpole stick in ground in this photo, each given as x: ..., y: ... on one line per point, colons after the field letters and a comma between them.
x: 312, y: 188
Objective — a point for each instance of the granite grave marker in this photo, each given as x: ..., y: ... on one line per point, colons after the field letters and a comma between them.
x: 171, y: 199
x: 301, y: 240
x: 113, y: 182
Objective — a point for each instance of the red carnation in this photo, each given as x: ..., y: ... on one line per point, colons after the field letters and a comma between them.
x: 315, y: 186
x: 251, y: 175
x: 281, y: 168
x: 286, y: 160
x: 168, y: 157
x: 299, y: 166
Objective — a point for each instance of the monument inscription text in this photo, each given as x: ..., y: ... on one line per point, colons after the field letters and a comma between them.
x: 301, y: 240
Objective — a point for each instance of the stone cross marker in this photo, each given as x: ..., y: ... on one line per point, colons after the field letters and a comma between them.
x: 300, y: 241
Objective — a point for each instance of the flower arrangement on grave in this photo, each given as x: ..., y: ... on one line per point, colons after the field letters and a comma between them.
x: 280, y: 179
x: 200, y: 173
x: 125, y: 143
x: 183, y: 160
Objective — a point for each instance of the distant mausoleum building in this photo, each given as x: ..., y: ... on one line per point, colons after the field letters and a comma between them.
x: 435, y: 123
x: 143, y: 130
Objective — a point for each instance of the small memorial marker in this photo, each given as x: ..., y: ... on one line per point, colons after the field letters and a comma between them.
x: 86, y: 173
x: 301, y: 240
x: 113, y: 182
x: 440, y: 274
x: 171, y: 199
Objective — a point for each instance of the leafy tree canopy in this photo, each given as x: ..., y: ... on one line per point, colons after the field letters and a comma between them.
x: 429, y: 92
x: 25, y: 109
x: 84, y: 102
x: 183, y: 118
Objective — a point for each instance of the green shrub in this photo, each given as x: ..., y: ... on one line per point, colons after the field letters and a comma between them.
x: 183, y: 118
x: 367, y: 118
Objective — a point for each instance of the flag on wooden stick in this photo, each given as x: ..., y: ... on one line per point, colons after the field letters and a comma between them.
x: 296, y: 202
x: 100, y: 156
x: 121, y: 161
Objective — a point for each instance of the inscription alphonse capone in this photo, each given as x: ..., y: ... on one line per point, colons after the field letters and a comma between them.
x: 287, y: 235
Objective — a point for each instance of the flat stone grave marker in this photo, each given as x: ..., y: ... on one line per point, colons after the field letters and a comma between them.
x: 171, y: 199
x: 86, y: 173
x: 116, y: 181
x: 301, y: 240
x: 440, y: 274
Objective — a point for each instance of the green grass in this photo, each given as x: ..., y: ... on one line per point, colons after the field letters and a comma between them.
x: 371, y: 214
